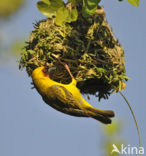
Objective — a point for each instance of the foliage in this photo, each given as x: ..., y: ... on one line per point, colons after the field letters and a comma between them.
x: 8, y: 7
x: 111, y: 134
x: 134, y: 2
x: 89, y: 7
x: 68, y: 12
x: 59, y: 10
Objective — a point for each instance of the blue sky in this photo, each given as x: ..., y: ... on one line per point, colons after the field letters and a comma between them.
x: 29, y: 127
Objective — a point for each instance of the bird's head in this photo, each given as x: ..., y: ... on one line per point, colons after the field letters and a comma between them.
x: 40, y: 72
x: 45, y: 71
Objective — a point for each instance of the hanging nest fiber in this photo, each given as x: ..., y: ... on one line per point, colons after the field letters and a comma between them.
x: 88, y: 47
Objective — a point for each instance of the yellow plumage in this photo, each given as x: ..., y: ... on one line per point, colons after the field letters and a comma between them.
x: 66, y: 97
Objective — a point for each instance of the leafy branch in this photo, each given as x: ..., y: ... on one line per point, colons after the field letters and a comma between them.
x: 57, y: 9
x: 67, y: 12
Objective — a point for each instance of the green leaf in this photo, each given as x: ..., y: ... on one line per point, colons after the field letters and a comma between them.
x: 74, y: 1
x: 89, y: 7
x: 57, y: 8
x: 49, y: 8
x: 47, y: 2
x: 64, y: 15
x: 102, y: 70
x: 57, y: 3
x: 134, y: 2
x: 61, y: 15
x: 72, y: 15
x: 46, y: 9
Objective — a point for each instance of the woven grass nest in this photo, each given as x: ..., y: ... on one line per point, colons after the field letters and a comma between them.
x: 88, y: 47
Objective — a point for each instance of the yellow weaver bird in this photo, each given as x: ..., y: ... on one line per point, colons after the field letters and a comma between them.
x: 66, y: 98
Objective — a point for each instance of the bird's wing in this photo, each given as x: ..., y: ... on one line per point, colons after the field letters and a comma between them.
x: 63, y: 97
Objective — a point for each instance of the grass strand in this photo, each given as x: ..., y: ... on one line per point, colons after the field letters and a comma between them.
x: 137, y: 127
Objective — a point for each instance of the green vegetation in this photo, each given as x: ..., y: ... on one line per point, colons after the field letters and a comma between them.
x: 87, y: 45
x: 111, y: 134
x: 8, y: 7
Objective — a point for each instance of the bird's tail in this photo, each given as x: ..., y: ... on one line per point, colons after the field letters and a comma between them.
x: 101, y: 115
